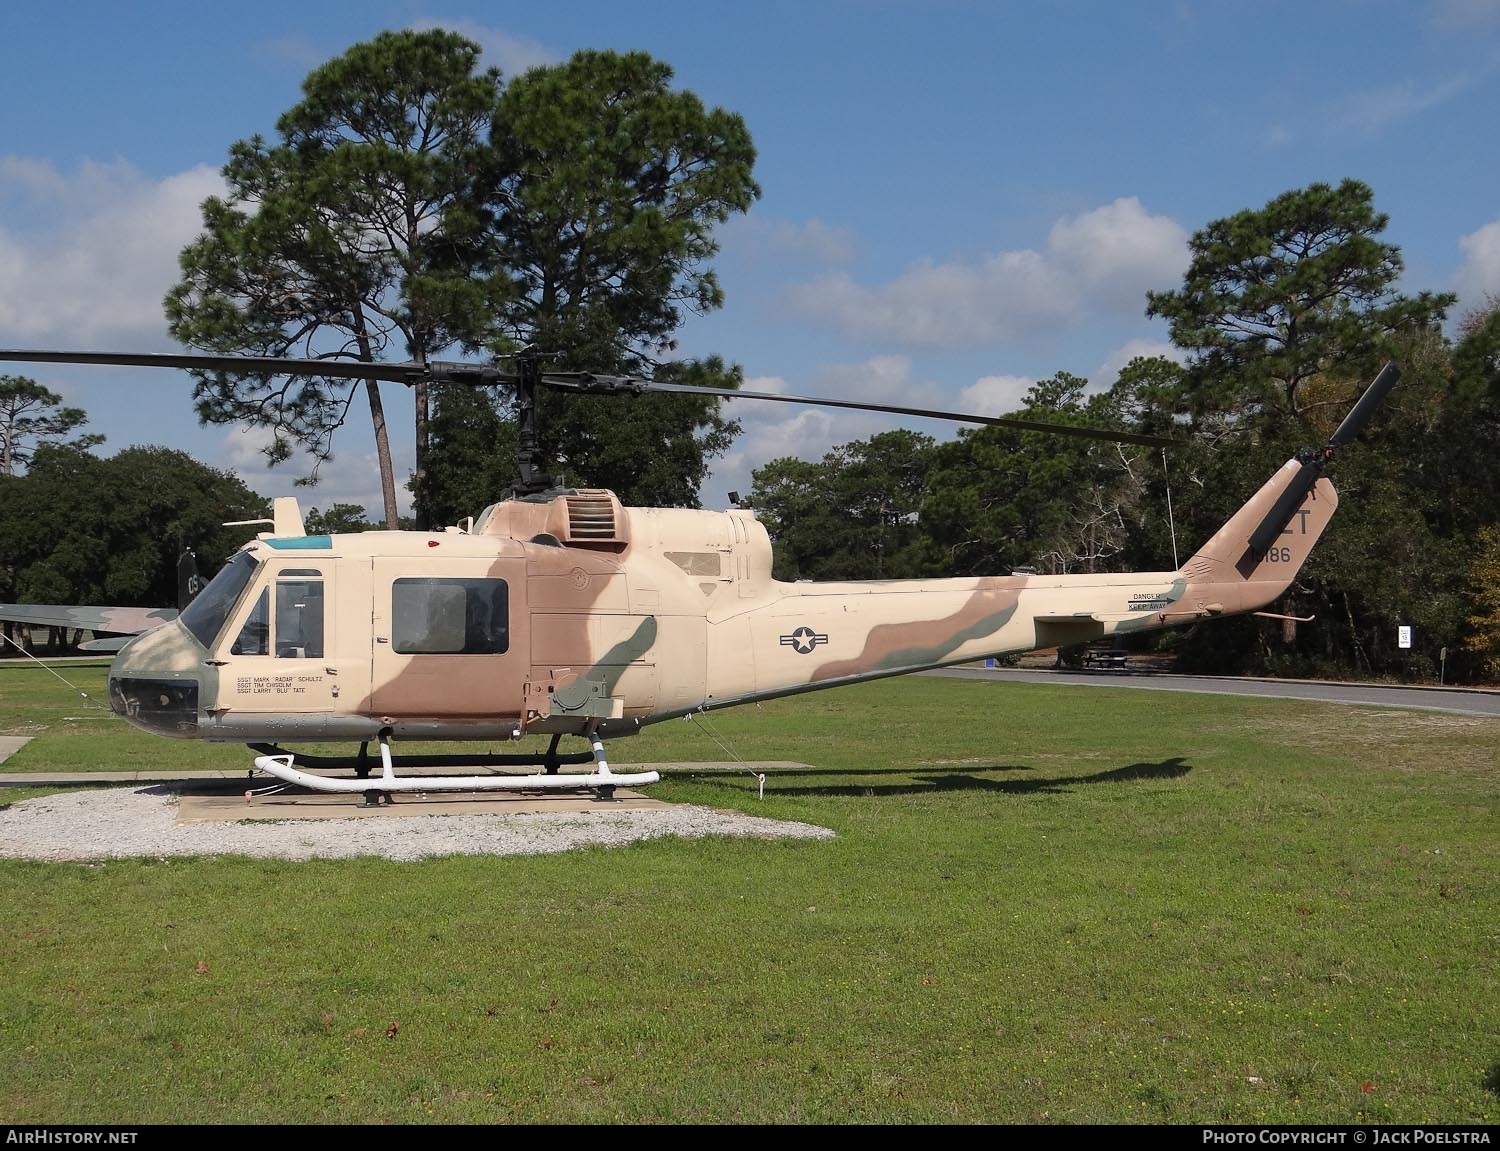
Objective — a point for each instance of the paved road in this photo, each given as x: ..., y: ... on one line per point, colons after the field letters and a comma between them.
x: 1463, y: 701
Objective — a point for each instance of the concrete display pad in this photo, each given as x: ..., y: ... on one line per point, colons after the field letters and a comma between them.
x: 215, y: 779
x: 218, y: 796
x: 209, y: 807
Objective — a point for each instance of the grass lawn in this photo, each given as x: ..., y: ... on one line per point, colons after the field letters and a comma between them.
x: 1043, y: 904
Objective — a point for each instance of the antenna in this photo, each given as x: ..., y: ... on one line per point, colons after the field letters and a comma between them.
x: 1171, y: 521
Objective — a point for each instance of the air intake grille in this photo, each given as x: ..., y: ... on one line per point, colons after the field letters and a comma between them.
x: 591, y: 518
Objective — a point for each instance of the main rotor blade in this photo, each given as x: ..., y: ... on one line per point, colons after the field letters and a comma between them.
x: 440, y: 371
x: 405, y: 372
x: 1359, y: 415
x: 585, y: 382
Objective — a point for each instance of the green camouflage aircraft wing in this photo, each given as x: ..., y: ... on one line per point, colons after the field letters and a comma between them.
x: 117, y: 623
x: 112, y: 620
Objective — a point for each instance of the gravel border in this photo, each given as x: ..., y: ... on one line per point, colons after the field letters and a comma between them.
x: 122, y: 823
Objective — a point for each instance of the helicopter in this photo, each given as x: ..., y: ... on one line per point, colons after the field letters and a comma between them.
x: 562, y: 612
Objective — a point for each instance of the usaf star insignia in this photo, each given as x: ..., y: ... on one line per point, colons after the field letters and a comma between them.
x: 803, y: 640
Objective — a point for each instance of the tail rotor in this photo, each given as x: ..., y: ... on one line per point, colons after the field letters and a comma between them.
x: 1313, y: 461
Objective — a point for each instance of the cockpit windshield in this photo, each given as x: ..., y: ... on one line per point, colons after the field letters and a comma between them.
x: 207, y: 613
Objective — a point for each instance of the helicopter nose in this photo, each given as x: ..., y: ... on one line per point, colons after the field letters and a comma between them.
x: 156, y: 682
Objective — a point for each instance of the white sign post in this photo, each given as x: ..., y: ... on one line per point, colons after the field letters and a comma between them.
x: 1403, y: 637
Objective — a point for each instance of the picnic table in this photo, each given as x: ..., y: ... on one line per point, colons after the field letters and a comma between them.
x: 1100, y: 658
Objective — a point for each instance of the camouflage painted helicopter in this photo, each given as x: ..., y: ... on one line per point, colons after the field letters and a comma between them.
x: 563, y: 612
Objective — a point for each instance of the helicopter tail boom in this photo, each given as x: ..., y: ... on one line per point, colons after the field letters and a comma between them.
x: 1240, y: 576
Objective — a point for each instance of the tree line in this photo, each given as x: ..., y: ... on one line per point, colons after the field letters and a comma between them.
x: 80, y: 529
x: 1284, y: 314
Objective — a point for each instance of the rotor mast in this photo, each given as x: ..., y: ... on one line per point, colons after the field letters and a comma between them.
x: 529, y: 475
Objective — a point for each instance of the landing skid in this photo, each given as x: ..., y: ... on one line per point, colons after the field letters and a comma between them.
x: 377, y: 790
x: 363, y: 763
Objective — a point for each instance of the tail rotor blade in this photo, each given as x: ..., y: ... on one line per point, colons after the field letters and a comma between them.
x: 1291, y: 498
x: 1359, y: 415
x: 1285, y: 507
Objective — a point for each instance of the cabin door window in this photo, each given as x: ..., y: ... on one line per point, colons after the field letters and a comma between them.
x: 449, y: 617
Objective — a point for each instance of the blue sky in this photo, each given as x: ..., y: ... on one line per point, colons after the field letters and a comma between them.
x: 959, y: 197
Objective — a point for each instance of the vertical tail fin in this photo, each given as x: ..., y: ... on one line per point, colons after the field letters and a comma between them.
x: 1234, y: 575
x: 1255, y: 556
x: 189, y: 582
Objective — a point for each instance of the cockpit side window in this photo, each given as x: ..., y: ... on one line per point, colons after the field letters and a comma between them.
x: 205, y: 616
x: 294, y: 630
x: 255, y: 634
x: 299, y: 618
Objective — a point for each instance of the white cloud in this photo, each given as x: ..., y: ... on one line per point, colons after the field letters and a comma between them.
x: 773, y: 431
x: 1004, y: 395
x: 1278, y: 136
x: 244, y: 449
x: 995, y: 395
x: 1369, y: 112
x: 1480, y: 271
x: 350, y: 477
x: 878, y: 380
x: 774, y: 384
x: 1109, y: 371
x: 997, y: 298
x: 1106, y: 258
x: 295, y: 50
x: 810, y: 243
x: 768, y: 431
x: 1466, y: 14
x: 1118, y: 251
x: 511, y: 54
x: 87, y: 255
x: 807, y: 434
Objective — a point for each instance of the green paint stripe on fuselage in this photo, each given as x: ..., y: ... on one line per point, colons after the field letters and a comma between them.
x: 934, y: 655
